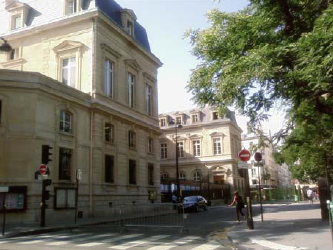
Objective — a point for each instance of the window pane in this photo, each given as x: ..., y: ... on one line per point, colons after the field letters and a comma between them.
x: 71, y: 198
x: 109, y: 168
x: 132, y: 172
x: 61, y: 198
x: 65, y: 164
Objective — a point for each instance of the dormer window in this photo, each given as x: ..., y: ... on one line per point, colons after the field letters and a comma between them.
x: 130, y: 28
x: 18, y: 14
x: 127, y: 19
x: 162, y: 122
x: 72, y: 6
x: 16, y: 22
x: 215, y: 115
x: 178, y: 120
x: 194, y: 118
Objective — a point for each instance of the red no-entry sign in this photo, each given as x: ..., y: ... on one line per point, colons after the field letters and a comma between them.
x: 244, y: 155
x: 42, y: 169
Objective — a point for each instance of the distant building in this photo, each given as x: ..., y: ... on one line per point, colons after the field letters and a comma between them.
x: 270, y: 173
x: 96, y: 106
x: 208, y: 147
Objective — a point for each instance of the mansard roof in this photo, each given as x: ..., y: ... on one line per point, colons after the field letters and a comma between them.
x: 113, y: 10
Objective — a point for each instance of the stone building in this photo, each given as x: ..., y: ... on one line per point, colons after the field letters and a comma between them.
x: 96, y: 106
x: 208, y: 147
x: 270, y: 173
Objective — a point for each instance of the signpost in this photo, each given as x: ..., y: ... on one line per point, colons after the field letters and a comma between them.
x: 258, y: 158
x: 245, y: 155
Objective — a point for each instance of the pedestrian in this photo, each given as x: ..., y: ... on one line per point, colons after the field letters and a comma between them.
x: 309, y: 193
x: 239, y: 204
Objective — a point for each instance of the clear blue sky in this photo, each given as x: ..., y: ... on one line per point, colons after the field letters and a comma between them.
x: 166, y: 22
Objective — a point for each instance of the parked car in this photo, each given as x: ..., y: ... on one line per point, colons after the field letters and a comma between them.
x: 194, y: 203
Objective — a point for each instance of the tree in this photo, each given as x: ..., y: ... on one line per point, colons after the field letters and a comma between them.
x: 272, y: 52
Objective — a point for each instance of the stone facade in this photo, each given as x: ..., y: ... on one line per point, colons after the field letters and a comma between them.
x: 97, y: 106
x: 209, y: 147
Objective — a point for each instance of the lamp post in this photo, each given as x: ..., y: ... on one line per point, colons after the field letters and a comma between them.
x: 178, y: 126
x: 5, y: 47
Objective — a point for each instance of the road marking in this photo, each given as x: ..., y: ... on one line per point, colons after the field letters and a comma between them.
x: 175, y: 243
x: 3, y: 242
x: 57, y: 243
x: 139, y: 242
x: 272, y: 245
x: 91, y: 244
x: 96, y: 236
x: 30, y: 242
x: 208, y: 246
x: 123, y: 237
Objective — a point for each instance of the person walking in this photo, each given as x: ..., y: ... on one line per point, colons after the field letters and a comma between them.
x: 309, y: 193
x: 239, y: 205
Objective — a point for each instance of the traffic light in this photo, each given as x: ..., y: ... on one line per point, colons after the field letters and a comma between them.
x: 46, y: 154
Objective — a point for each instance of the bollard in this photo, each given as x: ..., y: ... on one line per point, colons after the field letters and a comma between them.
x: 249, y: 214
x: 330, y: 217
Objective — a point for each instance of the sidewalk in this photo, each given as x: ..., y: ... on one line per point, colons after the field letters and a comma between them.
x: 296, y: 226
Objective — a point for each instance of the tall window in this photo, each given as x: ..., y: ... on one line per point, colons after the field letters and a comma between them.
x: 131, y: 81
x: 108, y: 77
x: 217, y: 146
x: 71, y: 7
x: 13, y: 54
x: 149, y: 97
x: 150, y: 145
x: 180, y: 148
x: 197, y: 176
x: 194, y: 118
x: 162, y: 122
x: 196, y: 148
x: 164, y: 177
x: 69, y: 71
x: 109, y: 132
x: 109, y: 169
x: 164, y: 151
x: 132, y: 172
x: 150, y: 174
x: 131, y: 139
x: 215, y: 115
x: 16, y: 22
x: 65, y: 121
x: 65, y: 156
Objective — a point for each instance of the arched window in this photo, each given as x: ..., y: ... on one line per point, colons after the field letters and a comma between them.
x: 197, y: 175
x: 182, y: 176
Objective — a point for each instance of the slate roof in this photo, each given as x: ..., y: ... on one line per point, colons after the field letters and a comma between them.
x: 44, y: 11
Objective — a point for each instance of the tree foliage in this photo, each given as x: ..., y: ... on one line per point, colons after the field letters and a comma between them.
x: 273, y: 51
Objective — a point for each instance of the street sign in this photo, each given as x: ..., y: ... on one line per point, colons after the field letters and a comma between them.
x: 42, y: 169
x: 244, y: 155
x: 258, y: 156
x: 78, y: 174
x: 244, y: 165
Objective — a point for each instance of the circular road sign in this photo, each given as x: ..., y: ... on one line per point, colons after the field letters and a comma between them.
x: 258, y: 156
x: 244, y: 155
x: 42, y: 169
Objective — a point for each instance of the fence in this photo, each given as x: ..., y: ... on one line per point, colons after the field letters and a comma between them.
x: 154, y: 215
x: 274, y: 194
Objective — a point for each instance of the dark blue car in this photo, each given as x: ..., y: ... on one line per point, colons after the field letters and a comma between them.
x: 194, y: 203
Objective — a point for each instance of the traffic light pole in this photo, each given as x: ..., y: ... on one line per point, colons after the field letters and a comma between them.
x: 42, y: 204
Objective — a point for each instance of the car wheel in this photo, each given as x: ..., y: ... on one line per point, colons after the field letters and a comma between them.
x: 205, y: 208
x: 196, y: 208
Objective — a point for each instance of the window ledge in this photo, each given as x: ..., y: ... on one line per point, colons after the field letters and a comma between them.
x: 66, y: 133
x: 14, y: 62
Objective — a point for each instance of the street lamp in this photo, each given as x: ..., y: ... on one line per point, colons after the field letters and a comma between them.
x: 5, y: 47
x: 178, y: 126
